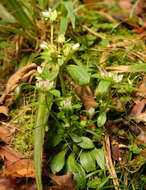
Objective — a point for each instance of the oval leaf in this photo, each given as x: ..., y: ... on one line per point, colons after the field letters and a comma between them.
x: 87, y: 161
x: 98, y: 154
x: 79, y: 74
x: 77, y: 170
x: 58, y: 162
x: 101, y: 119
x: 103, y: 86
x: 86, y: 143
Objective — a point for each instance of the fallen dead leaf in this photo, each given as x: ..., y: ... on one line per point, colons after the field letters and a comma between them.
x: 7, y: 183
x: 85, y: 93
x: 86, y: 96
x: 20, y: 76
x: 4, y: 113
x: 15, y: 164
x: 64, y: 182
x: 6, y: 133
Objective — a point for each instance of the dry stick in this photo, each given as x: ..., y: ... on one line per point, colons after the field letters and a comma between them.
x: 94, y: 33
x: 109, y: 162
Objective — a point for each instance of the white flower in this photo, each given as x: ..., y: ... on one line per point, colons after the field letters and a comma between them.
x: 75, y: 46
x: 118, y: 78
x: 67, y: 104
x: 114, y: 75
x: 46, y: 14
x: 39, y: 69
x: 44, y: 45
x: 61, y: 38
x: 45, y: 84
x: 91, y: 111
x: 52, y: 15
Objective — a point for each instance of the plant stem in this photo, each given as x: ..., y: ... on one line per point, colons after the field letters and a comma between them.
x: 62, y: 82
x: 51, y: 37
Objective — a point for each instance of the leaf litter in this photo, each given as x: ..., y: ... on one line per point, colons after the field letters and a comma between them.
x: 105, y: 109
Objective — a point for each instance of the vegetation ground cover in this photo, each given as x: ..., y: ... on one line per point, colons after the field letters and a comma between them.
x: 72, y: 104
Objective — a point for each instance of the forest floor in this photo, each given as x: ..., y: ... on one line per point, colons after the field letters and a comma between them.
x: 73, y: 95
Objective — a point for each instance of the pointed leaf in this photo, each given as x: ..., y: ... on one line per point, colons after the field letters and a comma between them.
x: 70, y: 9
x: 58, y: 162
x: 77, y: 170
x: 87, y: 161
x: 98, y: 154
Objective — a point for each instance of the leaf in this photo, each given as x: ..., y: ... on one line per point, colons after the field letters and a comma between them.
x: 128, y: 68
x: 79, y: 74
x: 55, y: 92
x: 51, y: 74
x: 75, y: 138
x: 101, y: 119
x: 87, y: 161
x: 63, y: 25
x: 58, y: 162
x: 77, y: 170
x: 103, y: 86
x: 63, y: 182
x: 98, y: 154
x: 86, y: 143
x: 19, y: 13
x: 70, y: 9
x: 41, y: 120
x: 42, y: 3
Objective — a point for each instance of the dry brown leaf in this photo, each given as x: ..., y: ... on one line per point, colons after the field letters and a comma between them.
x: 64, y: 182
x: 7, y: 183
x: 6, y: 133
x: 4, y: 113
x: 21, y: 168
x: 15, y: 164
x: 20, y: 76
x: 86, y: 96
x: 85, y: 93
x: 142, y: 88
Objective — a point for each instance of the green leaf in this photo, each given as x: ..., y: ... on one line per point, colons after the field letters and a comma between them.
x: 98, y: 154
x: 4, y: 14
x: 75, y: 138
x: 55, y: 92
x: 101, y: 119
x: 19, y: 13
x: 77, y: 170
x: 58, y: 162
x: 50, y: 75
x: 103, y: 86
x: 42, y: 3
x: 39, y: 132
x: 86, y: 143
x: 87, y: 161
x: 63, y: 25
x: 69, y: 6
x: 79, y: 74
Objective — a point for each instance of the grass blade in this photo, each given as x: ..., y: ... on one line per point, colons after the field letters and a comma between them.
x: 18, y: 31
x: 41, y: 121
x: 19, y: 13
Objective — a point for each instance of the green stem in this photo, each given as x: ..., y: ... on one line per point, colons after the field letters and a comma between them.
x: 41, y: 121
x: 52, y: 31
x: 62, y: 82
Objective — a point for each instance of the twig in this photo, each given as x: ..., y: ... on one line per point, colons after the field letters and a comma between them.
x: 109, y: 162
x: 94, y: 33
